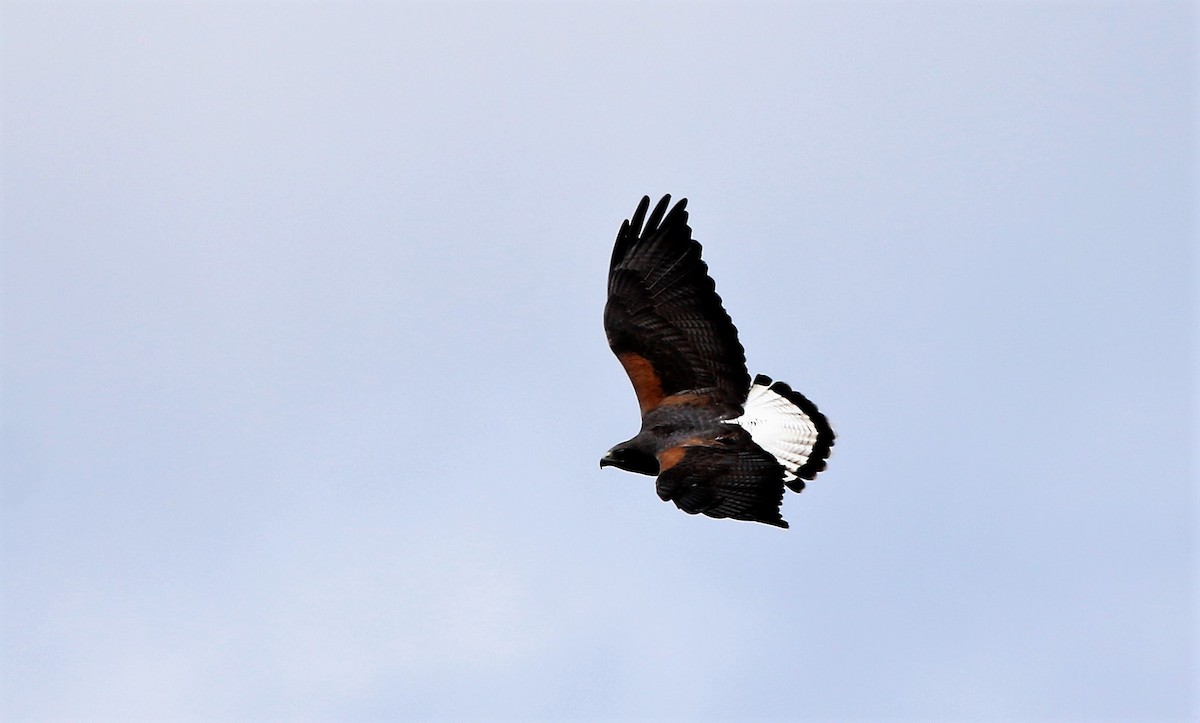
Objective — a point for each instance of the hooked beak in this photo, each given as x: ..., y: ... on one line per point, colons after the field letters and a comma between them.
x: 608, y: 460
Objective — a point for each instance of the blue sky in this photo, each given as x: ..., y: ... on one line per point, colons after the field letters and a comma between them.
x: 304, y: 382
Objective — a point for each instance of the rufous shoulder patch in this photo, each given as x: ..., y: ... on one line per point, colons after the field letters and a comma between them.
x: 647, y: 384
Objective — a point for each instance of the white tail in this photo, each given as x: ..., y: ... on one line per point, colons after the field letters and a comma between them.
x: 789, y: 427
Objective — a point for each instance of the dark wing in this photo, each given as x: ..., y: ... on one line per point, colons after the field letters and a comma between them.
x: 664, y: 319
x: 732, y: 477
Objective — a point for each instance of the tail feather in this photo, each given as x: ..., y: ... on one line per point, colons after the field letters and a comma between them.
x: 788, y: 426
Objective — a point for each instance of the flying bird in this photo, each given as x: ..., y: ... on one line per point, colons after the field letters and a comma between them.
x: 719, y: 443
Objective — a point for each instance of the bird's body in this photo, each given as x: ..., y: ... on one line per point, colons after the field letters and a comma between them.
x: 718, y: 443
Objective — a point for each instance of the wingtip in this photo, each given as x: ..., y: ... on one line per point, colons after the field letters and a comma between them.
x: 639, y: 215
x: 640, y: 225
x: 656, y: 216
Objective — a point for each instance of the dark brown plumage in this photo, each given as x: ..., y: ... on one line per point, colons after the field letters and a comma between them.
x: 719, y: 444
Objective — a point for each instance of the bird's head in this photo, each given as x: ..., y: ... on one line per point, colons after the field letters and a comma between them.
x: 630, y: 459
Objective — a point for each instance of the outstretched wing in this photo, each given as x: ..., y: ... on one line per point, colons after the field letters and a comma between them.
x: 664, y: 319
x: 730, y: 476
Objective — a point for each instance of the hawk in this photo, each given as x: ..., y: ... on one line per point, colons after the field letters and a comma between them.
x: 719, y: 443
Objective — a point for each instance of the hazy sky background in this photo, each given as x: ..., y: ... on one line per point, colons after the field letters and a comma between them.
x: 305, y: 385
